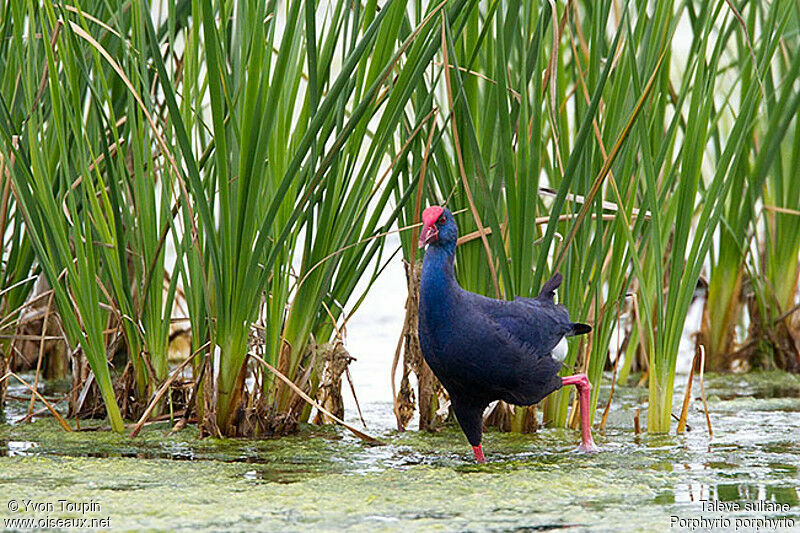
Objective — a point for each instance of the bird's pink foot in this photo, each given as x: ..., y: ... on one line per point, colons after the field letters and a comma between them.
x: 581, y: 381
x: 478, y: 451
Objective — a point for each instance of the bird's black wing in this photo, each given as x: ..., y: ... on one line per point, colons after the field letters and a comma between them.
x: 490, y: 362
x: 535, y: 322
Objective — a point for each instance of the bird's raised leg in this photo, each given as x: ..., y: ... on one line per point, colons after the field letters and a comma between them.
x: 584, y: 391
x: 478, y: 451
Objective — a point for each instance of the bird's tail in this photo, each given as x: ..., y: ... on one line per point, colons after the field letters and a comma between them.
x: 579, y: 328
x: 548, y: 291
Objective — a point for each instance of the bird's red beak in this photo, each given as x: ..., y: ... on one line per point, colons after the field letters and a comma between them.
x: 430, y: 233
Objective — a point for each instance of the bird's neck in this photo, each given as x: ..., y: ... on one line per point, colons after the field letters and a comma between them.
x: 438, y: 283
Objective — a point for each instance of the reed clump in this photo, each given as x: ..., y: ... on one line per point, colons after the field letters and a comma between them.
x: 637, y: 148
x: 227, y: 171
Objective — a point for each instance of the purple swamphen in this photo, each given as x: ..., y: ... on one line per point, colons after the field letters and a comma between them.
x: 483, y: 349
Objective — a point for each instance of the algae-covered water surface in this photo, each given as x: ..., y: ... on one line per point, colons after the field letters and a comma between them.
x: 744, y: 478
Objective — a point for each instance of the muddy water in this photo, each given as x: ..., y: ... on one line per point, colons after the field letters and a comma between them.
x: 326, y: 480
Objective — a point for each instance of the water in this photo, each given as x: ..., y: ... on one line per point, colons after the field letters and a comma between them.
x: 326, y: 479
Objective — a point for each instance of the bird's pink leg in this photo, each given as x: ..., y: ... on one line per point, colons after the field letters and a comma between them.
x: 584, y: 391
x: 478, y: 451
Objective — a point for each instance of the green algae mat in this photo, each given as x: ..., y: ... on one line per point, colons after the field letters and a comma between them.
x: 745, y: 478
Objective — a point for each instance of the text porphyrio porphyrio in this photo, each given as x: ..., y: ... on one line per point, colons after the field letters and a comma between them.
x: 483, y: 349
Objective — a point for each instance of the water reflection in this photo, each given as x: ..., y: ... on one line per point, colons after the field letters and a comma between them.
x: 757, y: 493
x: 14, y: 448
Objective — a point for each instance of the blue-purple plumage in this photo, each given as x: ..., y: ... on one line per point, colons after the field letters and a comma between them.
x: 483, y: 349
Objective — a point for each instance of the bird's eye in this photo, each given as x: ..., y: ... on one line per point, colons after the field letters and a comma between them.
x: 441, y: 220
